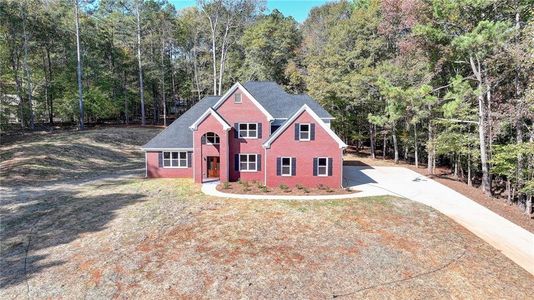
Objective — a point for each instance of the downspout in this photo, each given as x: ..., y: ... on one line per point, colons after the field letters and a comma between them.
x: 341, y: 168
x: 146, y: 165
x: 193, y: 157
x: 265, y: 169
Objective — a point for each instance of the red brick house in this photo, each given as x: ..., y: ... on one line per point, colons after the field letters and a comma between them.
x: 255, y: 131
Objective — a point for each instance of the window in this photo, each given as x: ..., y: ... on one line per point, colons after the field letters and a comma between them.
x: 248, y: 162
x: 248, y: 130
x: 304, y: 132
x: 286, y: 166
x: 237, y: 98
x: 175, y: 159
x: 322, y: 166
x: 212, y: 138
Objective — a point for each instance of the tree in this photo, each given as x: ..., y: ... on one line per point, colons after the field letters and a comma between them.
x: 79, y: 63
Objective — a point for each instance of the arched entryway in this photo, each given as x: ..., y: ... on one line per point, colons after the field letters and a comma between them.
x: 211, y: 142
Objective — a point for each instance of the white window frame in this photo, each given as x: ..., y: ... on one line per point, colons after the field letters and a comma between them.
x: 290, y: 166
x: 248, y: 130
x: 308, y: 131
x: 325, y: 167
x: 216, y: 138
x: 248, y: 155
x: 170, y: 160
x: 240, y: 98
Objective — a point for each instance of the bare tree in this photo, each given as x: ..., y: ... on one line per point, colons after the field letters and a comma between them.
x: 140, y: 64
x: 79, y: 63
x: 27, y: 70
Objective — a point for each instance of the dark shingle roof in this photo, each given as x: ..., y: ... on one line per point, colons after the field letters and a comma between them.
x: 279, y: 103
x: 178, y: 134
x: 270, y: 95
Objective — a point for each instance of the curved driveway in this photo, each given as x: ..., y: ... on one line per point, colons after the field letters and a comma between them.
x: 512, y: 240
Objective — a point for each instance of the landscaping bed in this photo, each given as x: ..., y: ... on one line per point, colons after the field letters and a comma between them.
x: 257, y: 188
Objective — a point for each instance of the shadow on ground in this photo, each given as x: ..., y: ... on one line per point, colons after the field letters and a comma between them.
x: 33, y: 224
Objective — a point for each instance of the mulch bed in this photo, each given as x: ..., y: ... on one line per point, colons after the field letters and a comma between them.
x: 256, y: 188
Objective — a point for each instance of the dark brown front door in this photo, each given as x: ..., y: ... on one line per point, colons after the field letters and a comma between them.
x: 213, y: 166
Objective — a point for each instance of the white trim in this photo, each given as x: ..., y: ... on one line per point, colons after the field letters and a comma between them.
x: 248, y: 131
x: 304, y: 107
x: 325, y: 175
x: 146, y: 165
x: 238, y: 85
x: 255, y: 163
x: 290, y: 166
x: 170, y: 160
x: 166, y: 149
x: 265, y: 168
x: 208, y: 112
x: 309, y: 132
x: 193, y: 158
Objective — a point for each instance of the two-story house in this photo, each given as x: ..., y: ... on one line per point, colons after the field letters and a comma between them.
x: 255, y: 131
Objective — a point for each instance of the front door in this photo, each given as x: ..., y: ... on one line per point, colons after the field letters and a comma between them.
x: 213, y: 166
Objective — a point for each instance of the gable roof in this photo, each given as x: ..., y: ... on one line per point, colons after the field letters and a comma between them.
x: 279, y: 103
x: 236, y: 86
x: 178, y: 135
x: 210, y: 112
x: 278, y: 132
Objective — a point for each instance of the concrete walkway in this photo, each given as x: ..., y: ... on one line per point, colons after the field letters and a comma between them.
x: 512, y: 240
x: 209, y: 188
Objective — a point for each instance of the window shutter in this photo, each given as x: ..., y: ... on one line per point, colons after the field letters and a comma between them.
x: 293, y: 166
x: 258, y: 162
x: 160, y: 159
x: 236, y: 162
x: 236, y: 130
x: 203, y: 139
x: 297, y: 131
x: 315, y: 166
x: 189, y: 159
x: 259, y: 130
x: 330, y: 167
x: 312, y: 131
x: 278, y: 166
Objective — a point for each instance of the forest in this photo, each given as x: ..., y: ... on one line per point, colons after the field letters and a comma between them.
x: 432, y: 82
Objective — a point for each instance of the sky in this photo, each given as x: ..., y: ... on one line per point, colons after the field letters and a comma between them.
x: 298, y: 9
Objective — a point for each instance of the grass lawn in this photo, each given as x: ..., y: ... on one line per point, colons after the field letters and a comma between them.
x: 78, y: 220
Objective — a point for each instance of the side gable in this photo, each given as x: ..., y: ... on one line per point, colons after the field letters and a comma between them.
x: 291, y: 120
x: 210, y: 112
x: 244, y: 90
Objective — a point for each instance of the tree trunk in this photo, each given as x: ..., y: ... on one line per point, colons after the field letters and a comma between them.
x: 486, y: 181
x: 416, y: 152
x: 430, y: 150
x: 372, y: 129
x: 384, y: 147
x: 49, y: 85
x: 163, y: 84
x: 469, y: 181
x: 141, y: 88
x: 508, y: 190
x: 223, y: 55
x: 79, y: 64
x: 395, y: 146
x: 125, y: 98
x: 28, y: 73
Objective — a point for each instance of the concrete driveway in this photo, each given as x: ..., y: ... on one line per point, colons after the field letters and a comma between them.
x: 513, y: 241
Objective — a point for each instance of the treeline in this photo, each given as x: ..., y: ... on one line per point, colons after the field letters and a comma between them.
x: 435, y: 82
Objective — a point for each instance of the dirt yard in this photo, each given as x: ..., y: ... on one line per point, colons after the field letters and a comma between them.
x: 79, y: 221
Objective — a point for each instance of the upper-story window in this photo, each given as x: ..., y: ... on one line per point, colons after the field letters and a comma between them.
x: 304, y: 132
x: 237, y: 98
x: 322, y: 166
x: 248, y: 130
x: 212, y: 138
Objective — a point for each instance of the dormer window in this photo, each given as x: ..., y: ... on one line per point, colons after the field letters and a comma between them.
x: 237, y: 98
x: 304, y: 132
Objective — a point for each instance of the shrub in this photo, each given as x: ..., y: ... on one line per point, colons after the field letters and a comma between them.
x: 263, y: 188
x: 329, y: 190
x: 245, y: 184
x: 306, y: 190
x: 299, y: 186
x: 287, y: 191
x: 321, y: 186
x: 226, y: 185
x: 283, y: 187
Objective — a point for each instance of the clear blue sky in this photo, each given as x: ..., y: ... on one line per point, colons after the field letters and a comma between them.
x: 298, y: 9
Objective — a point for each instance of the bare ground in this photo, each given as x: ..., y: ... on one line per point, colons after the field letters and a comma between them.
x: 119, y: 236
